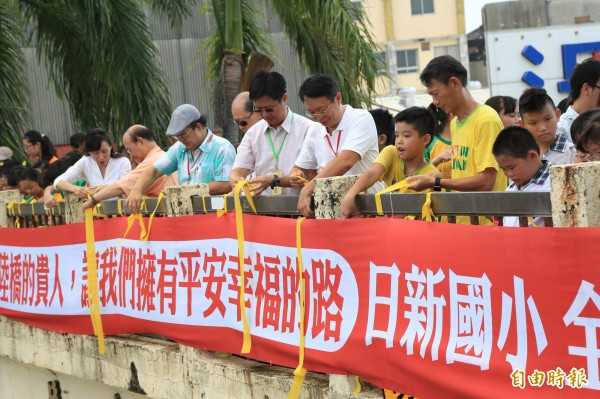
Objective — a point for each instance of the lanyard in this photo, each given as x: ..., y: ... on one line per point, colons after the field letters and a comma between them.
x: 337, y: 148
x: 276, y: 154
x: 189, y: 170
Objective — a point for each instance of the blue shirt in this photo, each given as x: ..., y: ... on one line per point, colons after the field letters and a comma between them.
x: 210, y: 162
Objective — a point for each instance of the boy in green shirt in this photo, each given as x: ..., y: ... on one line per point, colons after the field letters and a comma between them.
x: 415, y: 127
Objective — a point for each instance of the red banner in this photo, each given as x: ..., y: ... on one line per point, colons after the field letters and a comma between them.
x: 428, y: 309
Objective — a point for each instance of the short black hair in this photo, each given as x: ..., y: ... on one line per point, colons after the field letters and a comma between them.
x: 440, y: 117
x: 506, y: 104
x: 580, y: 123
x: 534, y: 99
x: 564, y: 104
x: 319, y: 85
x: 384, y: 123
x: 76, y: 140
x: 588, y: 71
x: 420, y: 118
x: 271, y: 84
x: 590, y: 133
x: 443, y: 68
x: 515, y: 141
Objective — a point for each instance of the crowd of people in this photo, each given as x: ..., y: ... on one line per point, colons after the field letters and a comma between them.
x: 456, y: 144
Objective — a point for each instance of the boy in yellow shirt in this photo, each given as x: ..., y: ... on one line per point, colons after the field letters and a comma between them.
x: 415, y: 127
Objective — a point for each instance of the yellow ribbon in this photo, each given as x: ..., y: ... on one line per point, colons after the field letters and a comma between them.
x: 300, y: 371
x: 12, y: 212
x: 358, y: 386
x: 239, y: 222
x: 146, y: 236
x: 223, y: 211
x: 204, y: 202
x: 92, y: 271
x: 400, y: 186
x: 120, y: 207
x: 426, y: 212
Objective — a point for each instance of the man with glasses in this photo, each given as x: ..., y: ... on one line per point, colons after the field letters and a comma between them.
x: 585, y: 93
x: 344, y: 142
x: 199, y: 156
x: 139, y: 143
x: 270, y: 147
x: 242, y: 110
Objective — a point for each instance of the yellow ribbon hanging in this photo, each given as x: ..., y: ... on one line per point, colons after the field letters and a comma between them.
x: 426, y: 211
x: 120, y: 207
x: 358, y: 386
x: 146, y: 234
x: 204, y: 203
x: 223, y: 211
x: 532, y: 222
x: 400, y: 186
x: 239, y: 223
x: 12, y: 212
x: 92, y: 271
x: 300, y: 371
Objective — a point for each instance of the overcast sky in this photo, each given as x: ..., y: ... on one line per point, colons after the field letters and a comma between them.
x: 473, y: 12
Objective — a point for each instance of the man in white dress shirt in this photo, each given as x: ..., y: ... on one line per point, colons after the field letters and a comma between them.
x: 270, y: 147
x: 344, y: 142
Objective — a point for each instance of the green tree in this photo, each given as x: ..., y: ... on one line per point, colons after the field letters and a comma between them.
x: 330, y: 37
x: 99, y: 56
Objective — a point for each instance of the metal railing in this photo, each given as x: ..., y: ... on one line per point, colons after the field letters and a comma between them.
x: 449, y: 205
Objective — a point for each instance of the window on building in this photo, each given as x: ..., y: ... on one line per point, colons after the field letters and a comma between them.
x: 419, y: 7
x: 382, y: 63
x: 453, y: 50
x: 406, y: 61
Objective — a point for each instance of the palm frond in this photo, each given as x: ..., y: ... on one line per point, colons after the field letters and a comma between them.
x: 13, y: 83
x: 174, y: 10
x: 101, y: 59
x: 333, y: 37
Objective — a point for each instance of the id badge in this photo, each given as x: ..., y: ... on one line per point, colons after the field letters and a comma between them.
x: 277, y: 190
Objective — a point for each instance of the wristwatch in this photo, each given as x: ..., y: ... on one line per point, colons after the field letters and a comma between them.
x: 437, y: 185
x: 94, y: 202
x: 276, y: 181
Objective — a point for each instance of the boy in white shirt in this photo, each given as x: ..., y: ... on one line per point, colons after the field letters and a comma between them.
x: 540, y: 117
x: 518, y: 155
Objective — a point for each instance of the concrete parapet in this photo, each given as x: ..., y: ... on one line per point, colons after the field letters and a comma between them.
x: 575, y: 195
x: 151, y: 367
x: 74, y: 208
x: 329, y: 193
x: 178, y: 199
x: 6, y: 197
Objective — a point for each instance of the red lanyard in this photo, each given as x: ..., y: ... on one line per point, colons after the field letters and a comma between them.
x: 337, y: 148
x: 196, y: 160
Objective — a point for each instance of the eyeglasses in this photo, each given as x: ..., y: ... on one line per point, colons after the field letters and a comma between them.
x: 183, y: 135
x: 592, y: 157
x: 27, y: 147
x: 244, y: 122
x: 318, y: 114
x: 593, y: 86
x: 267, y: 110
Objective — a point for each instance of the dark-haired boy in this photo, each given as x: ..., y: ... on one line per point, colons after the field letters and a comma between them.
x: 540, y: 117
x: 518, y: 155
x: 384, y: 122
x: 415, y: 127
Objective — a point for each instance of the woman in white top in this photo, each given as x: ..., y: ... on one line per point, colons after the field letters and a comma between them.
x: 100, y: 166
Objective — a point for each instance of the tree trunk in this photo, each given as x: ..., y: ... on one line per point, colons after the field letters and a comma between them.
x: 233, y: 67
x: 233, y: 63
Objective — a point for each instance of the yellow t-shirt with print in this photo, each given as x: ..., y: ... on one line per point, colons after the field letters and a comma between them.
x: 435, y: 148
x: 394, y: 167
x: 472, y: 142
